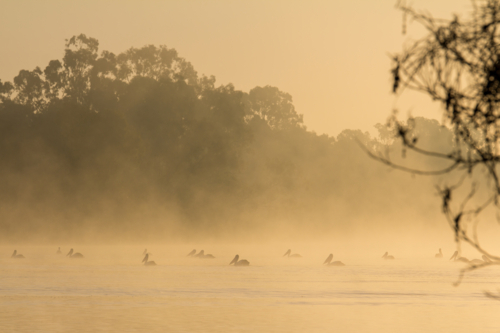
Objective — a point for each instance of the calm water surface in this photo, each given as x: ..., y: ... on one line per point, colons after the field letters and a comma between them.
x: 109, y: 291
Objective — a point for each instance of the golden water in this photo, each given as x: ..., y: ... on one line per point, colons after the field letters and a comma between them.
x: 110, y: 291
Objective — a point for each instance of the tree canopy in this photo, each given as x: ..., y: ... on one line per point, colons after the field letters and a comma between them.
x: 138, y: 141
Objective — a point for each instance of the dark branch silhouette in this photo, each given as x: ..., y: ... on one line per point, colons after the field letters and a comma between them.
x: 457, y: 64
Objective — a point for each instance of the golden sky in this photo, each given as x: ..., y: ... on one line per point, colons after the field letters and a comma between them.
x: 331, y: 56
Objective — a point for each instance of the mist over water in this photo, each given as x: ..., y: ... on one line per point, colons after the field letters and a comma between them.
x: 109, y: 290
x: 115, y: 156
x: 138, y: 146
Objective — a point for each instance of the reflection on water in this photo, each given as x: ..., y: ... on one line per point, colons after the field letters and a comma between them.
x: 110, y: 291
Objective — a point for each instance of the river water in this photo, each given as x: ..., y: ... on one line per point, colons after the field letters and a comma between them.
x: 110, y: 291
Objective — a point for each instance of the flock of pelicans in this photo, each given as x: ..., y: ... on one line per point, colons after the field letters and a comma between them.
x: 70, y: 254
x: 243, y: 262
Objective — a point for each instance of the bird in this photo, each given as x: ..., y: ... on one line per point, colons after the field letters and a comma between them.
x: 439, y: 255
x: 58, y: 250
x: 476, y: 262
x: 17, y: 256
x: 74, y: 255
x: 202, y: 255
x: 386, y: 256
x: 190, y: 254
x: 295, y: 255
x: 238, y: 262
x: 329, y: 262
x: 146, y: 262
x: 455, y: 257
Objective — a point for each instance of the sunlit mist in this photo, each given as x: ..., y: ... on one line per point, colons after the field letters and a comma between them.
x: 229, y: 166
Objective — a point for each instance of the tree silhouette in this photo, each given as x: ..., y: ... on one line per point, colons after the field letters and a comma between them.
x: 457, y: 64
x: 135, y: 142
x: 95, y: 130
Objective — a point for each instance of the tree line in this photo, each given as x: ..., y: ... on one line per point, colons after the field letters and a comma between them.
x: 137, y: 141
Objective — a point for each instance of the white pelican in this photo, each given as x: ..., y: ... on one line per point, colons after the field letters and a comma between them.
x: 146, y: 262
x: 455, y: 257
x: 238, y: 262
x: 17, y: 256
x: 386, y: 256
x: 329, y: 262
x: 74, y: 255
x: 295, y: 255
x: 58, y: 250
x: 439, y: 255
x: 190, y: 254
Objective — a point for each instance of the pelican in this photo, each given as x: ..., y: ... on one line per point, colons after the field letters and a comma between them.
x: 237, y: 262
x: 476, y: 262
x: 74, y: 255
x: 439, y: 255
x: 58, y: 250
x: 202, y: 255
x: 190, y: 254
x: 386, y: 256
x: 295, y: 255
x: 455, y: 257
x: 146, y: 262
x: 17, y: 256
x: 329, y: 262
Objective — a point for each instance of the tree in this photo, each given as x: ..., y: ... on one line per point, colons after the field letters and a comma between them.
x: 111, y: 142
x: 457, y: 64
x: 274, y: 107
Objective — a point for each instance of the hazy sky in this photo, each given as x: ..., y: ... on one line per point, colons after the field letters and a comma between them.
x: 331, y: 56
